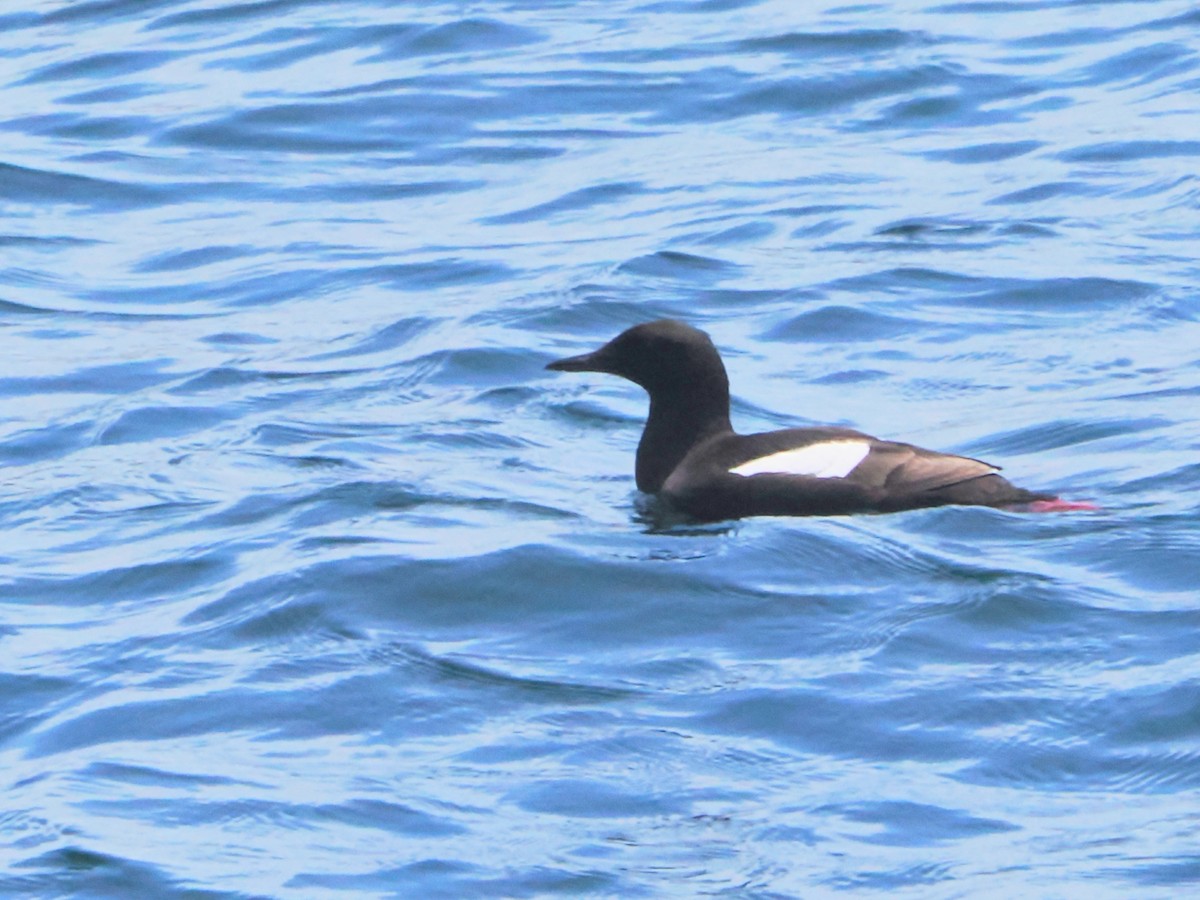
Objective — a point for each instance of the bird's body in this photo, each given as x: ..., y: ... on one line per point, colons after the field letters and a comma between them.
x: 690, y: 455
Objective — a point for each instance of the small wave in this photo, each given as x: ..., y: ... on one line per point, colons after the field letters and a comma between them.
x: 986, y: 153
x: 1117, y: 151
x: 153, y: 423
x: 1048, y: 191
x: 841, y: 323
x: 101, y: 65
x: 908, y: 824
x: 673, y: 264
x: 575, y: 201
x: 20, y: 184
x: 1055, y: 435
x: 122, y: 584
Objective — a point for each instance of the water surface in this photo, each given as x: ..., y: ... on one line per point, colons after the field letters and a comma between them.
x: 316, y: 583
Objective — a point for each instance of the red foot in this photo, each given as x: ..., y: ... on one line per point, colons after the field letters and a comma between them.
x: 1058, y: 505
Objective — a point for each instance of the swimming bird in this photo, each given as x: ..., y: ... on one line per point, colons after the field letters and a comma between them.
x: 690, y: 455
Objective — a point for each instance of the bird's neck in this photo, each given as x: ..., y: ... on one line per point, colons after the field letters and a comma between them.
x: 674, y: 426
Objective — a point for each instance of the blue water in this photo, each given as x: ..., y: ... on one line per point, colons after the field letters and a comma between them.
x: 315, y: 583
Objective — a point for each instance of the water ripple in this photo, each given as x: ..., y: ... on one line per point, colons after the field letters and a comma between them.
x: 315, y: 580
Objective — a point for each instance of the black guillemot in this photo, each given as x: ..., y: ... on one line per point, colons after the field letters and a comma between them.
x: 690, y: 455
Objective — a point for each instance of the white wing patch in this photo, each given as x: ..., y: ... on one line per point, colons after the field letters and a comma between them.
x: 827, y: 459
